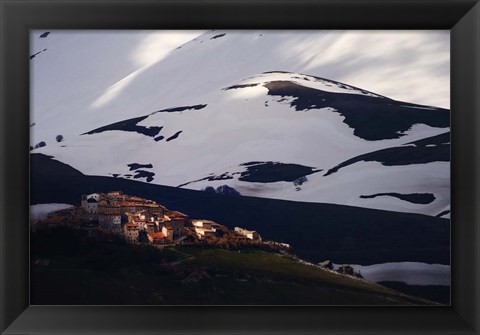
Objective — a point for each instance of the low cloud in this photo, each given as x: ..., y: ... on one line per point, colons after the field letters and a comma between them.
x: 412, y: 66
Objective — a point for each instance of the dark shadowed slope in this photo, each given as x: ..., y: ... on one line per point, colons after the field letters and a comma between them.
x: 180, y: 109
x: 401, y: 156
x: 372, y: 118
x: 114, y: 273
x: 270, y: 172
x: 130, y: 125
x: 414, y: 198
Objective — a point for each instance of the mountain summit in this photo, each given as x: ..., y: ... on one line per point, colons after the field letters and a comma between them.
x: 232, y: 109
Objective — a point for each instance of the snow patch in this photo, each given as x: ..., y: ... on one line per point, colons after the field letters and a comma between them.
x: 40, y: 211
x: 411, y: 273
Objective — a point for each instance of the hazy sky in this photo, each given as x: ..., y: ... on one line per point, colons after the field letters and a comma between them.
x: 413, y: 66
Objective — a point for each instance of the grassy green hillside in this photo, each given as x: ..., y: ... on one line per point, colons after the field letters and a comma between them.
x: 68, y: 268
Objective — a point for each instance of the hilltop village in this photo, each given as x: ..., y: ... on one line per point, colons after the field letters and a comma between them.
x: 138, y: 220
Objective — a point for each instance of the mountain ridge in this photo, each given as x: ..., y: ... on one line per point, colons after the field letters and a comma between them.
x: 198, y: 115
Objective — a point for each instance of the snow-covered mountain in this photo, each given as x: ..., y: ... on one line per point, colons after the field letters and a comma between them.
x: 236, y: 109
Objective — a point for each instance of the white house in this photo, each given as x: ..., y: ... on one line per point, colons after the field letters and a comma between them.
x: 130, y: 232
x: 203, y: 233
x: 202, y: 224
x: 251, y: 234
x: 92, y: 206
x: 167, y: 232
x: 87, y: 197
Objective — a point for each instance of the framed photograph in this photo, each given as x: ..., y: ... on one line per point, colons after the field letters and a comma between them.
x: 230, y: 167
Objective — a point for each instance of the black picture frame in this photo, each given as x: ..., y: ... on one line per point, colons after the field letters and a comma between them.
x: 461, y: 17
